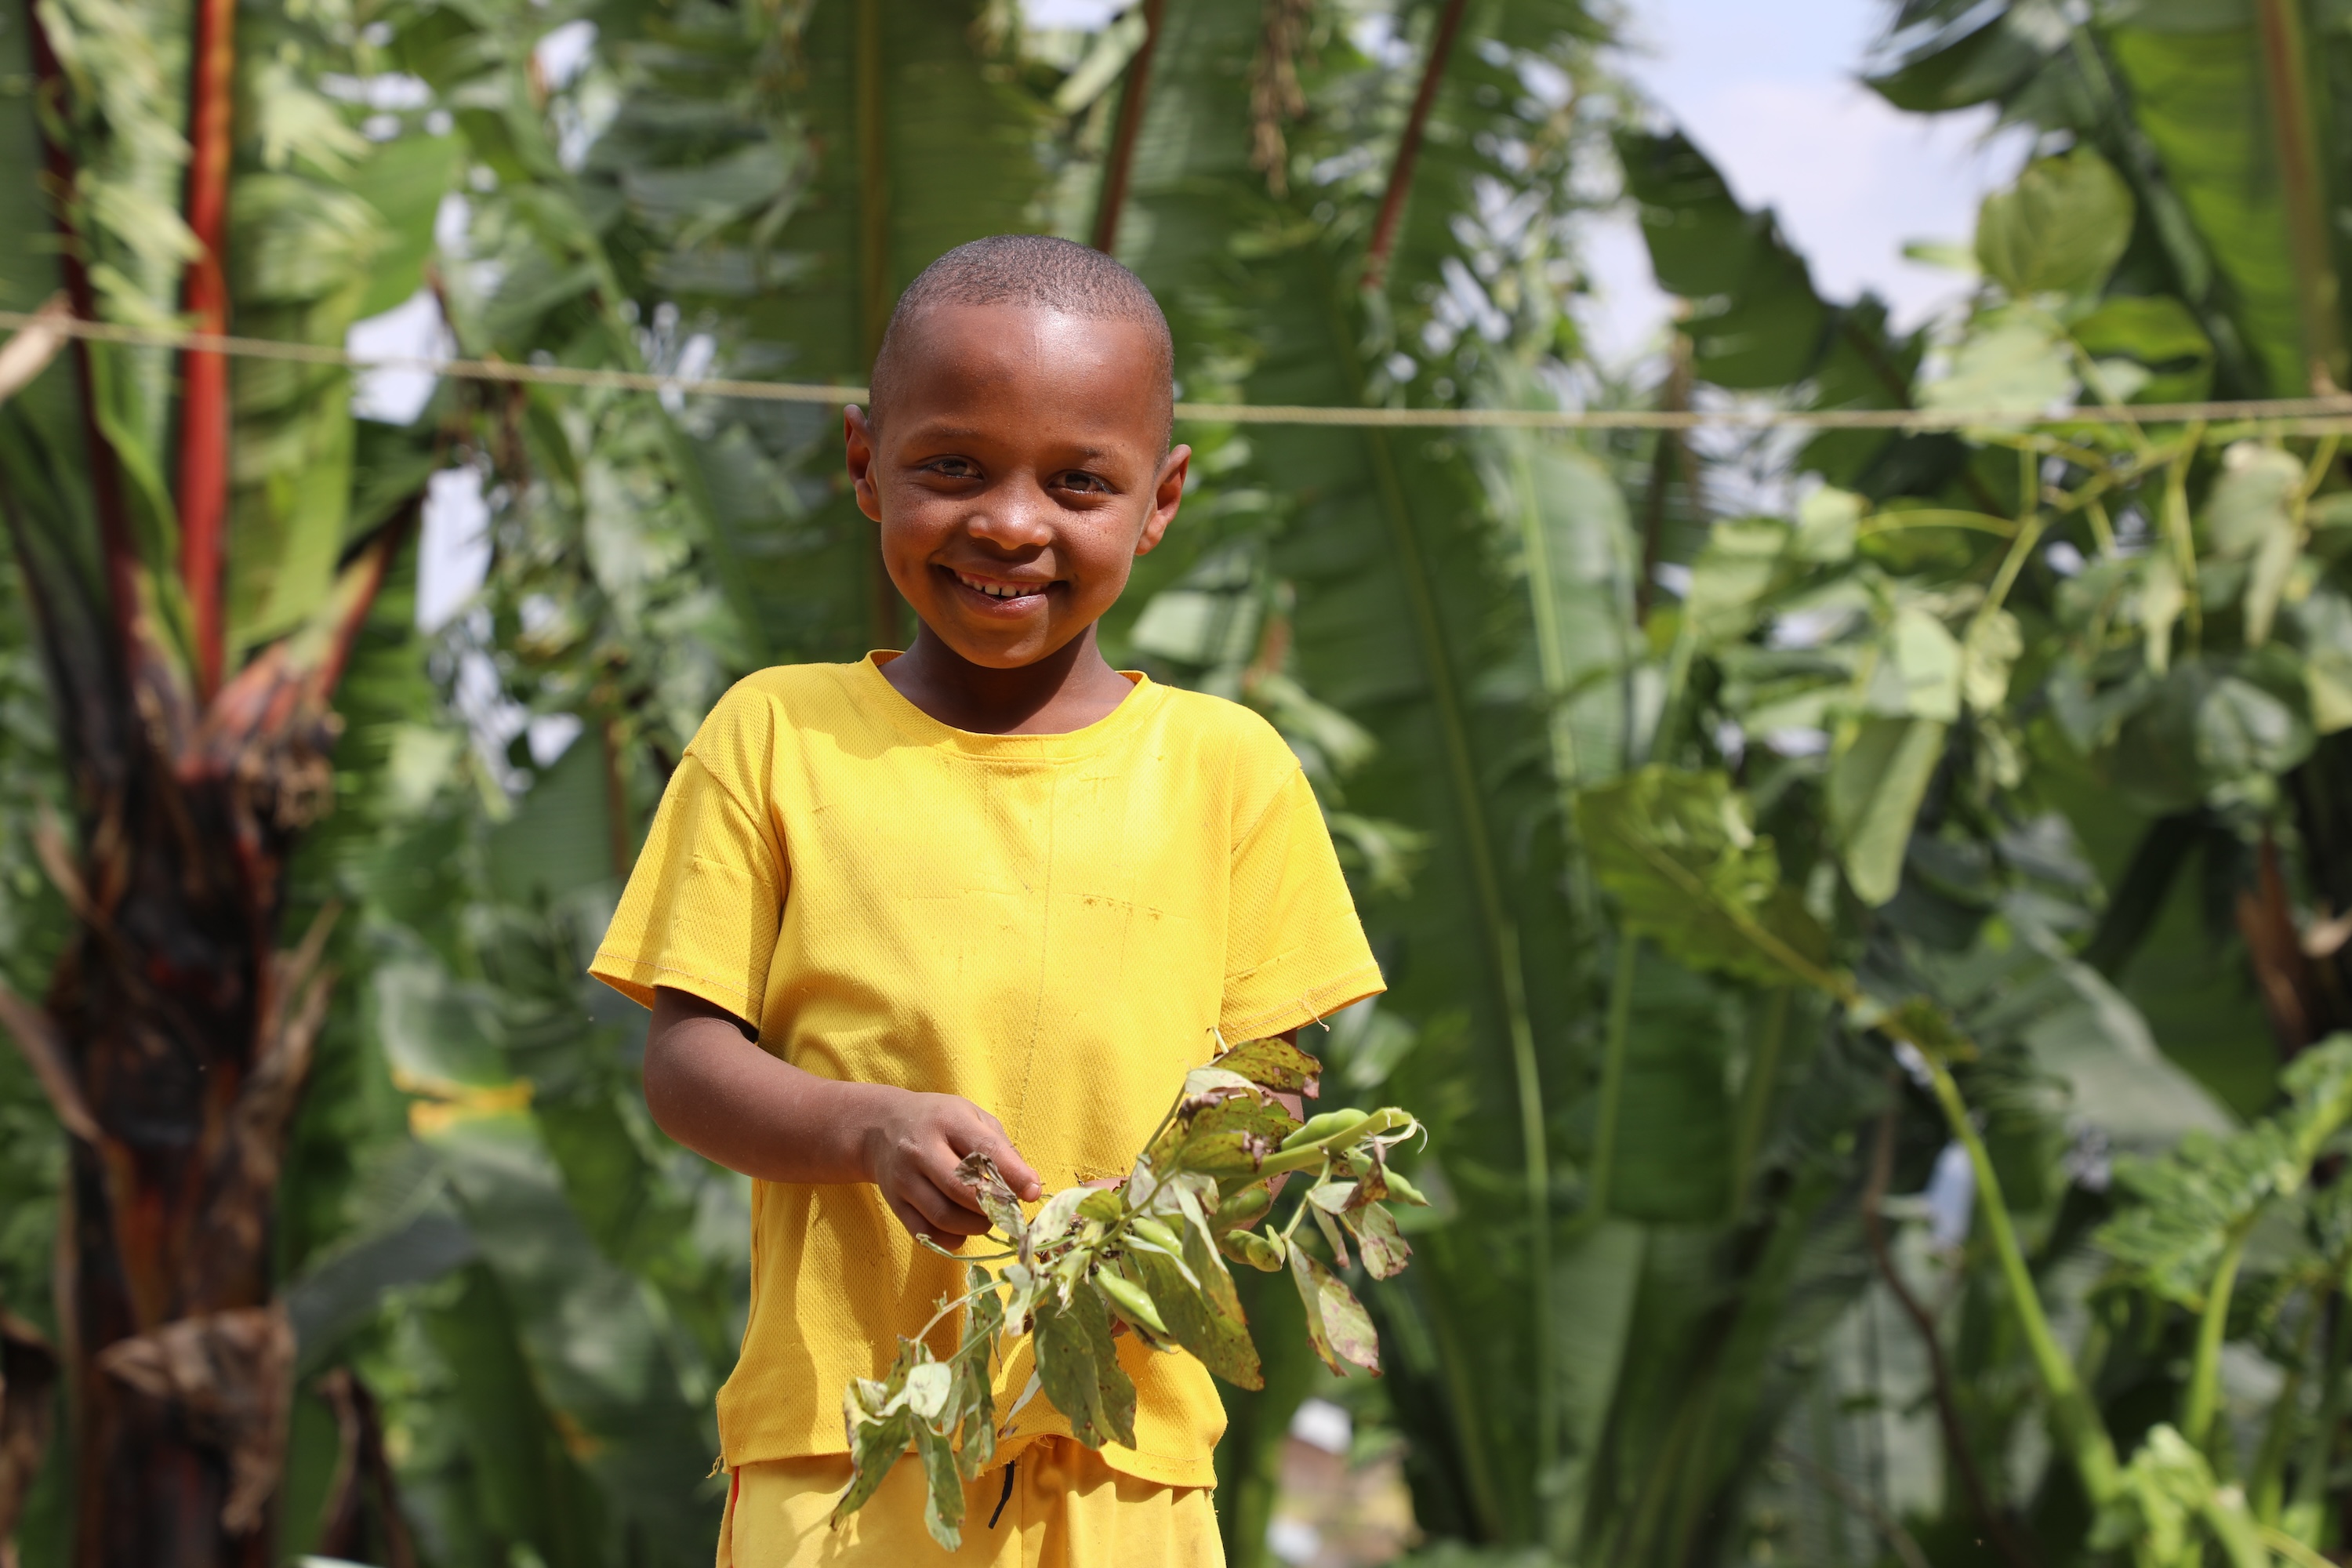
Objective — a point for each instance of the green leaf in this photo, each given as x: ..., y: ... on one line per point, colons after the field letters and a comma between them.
x: 2158, y: 331
x: 2010, y: 361
x: 1919, y: 670
x: 2181, y: 1211
x: 2060, y: 229
x: 1756, y: 319
x: 1221, y: 1340
x: 1336, y: 1323
x: 2245, y: 732
x: 876, y: 1444
x: 1876, y: 783
x: 1731, y: 577
x: 983, y: 1321
x: 2198, y: 98
x: 1993, y: 643
x: 2323, y: 629
x: 1828, y: 522
x: 1077, y: 1361
x: 943, y: 1488
x: 2248, y: 517
x: 1687, y: 871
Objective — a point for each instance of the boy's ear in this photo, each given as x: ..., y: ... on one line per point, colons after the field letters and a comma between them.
x: 859, y: 448
x: 1167, y: 495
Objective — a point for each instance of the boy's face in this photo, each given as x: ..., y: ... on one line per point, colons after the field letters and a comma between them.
x: 1017, y: 473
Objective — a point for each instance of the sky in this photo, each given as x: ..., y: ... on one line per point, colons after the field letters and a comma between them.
x: 1770, y: 92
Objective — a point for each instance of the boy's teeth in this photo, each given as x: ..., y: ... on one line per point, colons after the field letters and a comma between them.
x: 994, y: 590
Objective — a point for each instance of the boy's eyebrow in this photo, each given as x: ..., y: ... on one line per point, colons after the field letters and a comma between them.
x: 931, y: 433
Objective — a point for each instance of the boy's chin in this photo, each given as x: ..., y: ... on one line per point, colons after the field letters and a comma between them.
x: 999, y: 651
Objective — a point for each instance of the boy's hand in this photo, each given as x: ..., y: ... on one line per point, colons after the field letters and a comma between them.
x: 913, y: 1149
x: 711, y: 1087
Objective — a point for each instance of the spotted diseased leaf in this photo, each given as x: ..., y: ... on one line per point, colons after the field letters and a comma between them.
x: 983, y: 1322
x: 1220, y: 1339
x: 1275, y: 1065
x: 1336, y: 1321
x: 1226, y: 1154
x: 1332, y: 1236
x: 1202, y: 1257
x: 929, y: 1385
x: 978, y: 1172
x: 1078, y: 1361
x: 942, y: 1489
x: 1053, y: 1222
x: 880, y: 1427
x: 1267, y: 1119
x: 1378, y: 1243
x: 1202, y: 1083
x: 1105, y: 1205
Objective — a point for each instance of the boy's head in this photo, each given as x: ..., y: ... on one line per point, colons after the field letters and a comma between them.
x: 1016, y: 453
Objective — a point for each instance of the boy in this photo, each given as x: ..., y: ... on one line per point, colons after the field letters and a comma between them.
x: 989, y: 894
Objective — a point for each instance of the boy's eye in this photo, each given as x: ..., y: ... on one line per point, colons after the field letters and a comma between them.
x: 1079, y: 481
x: 953, y: 468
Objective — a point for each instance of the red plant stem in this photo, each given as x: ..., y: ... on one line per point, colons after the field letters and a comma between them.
x: 2303, y: 184
x: 105, y: 474
x: 203, y: 401
x: 1131, y: 122
x: 1441, y: 46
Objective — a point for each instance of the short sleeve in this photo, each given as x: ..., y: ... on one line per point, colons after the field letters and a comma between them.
x: 1294, y: 950
x: 702, y: 907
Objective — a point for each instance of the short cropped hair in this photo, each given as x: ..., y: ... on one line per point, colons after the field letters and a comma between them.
x: 1032, y: 269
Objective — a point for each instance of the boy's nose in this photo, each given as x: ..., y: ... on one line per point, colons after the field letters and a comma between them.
x: 1014, y: 516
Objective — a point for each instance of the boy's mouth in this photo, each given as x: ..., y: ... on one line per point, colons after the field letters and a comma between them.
x: 1001, y: 591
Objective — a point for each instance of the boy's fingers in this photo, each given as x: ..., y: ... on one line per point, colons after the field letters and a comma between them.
x: 1015, y: 1169
x: 933, y: 1216
x: 953, y: 1222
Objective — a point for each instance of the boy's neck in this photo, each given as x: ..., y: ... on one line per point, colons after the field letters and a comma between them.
x: 1069, y: 689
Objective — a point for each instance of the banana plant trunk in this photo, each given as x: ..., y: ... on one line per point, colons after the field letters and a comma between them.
x: 178, y: 1037
x: 176, y: 1034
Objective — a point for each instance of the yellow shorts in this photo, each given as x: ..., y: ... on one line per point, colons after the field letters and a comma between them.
x: 1066, y: 1508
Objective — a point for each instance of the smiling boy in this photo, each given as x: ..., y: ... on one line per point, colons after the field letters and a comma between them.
x: 986, y: 895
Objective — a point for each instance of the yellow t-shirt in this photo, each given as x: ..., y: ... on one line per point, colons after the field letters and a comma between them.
x: 1048, y: 925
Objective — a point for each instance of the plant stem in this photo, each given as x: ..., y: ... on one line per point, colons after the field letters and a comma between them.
x: 1501, y: 931
x: 1132, y: 98
x: 2212, y: 1325
x: 2266, y: 1492
x: 2306, y: 1510
x: 1940, y: 1370
x: 1756, y: 1096
x: 2080, y: 1428
x: 2184, y: 544
x: 2302, y: 184
x: 1613, y: 1078
x: 1408, y: 152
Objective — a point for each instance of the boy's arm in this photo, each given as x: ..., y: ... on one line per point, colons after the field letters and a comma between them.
x: 711, y: 1087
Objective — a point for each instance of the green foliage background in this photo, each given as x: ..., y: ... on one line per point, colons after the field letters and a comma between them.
x: 2019, y: 746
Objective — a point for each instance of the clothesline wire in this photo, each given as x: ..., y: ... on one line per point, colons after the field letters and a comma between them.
x: 2312, y: 415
